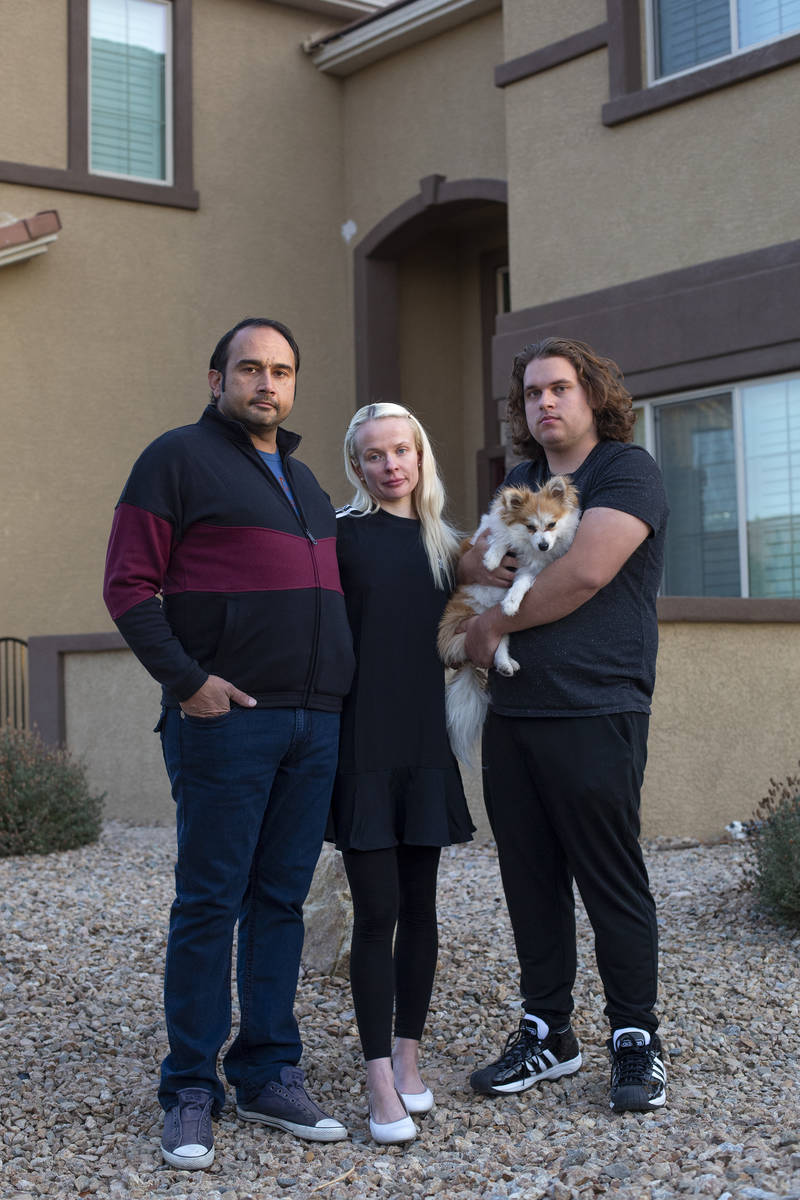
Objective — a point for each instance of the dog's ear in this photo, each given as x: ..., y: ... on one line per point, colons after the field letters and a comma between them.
x: 514, y: 499
x: 561, y: 488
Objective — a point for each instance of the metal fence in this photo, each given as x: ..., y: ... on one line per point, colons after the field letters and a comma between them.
x: 14, y: 682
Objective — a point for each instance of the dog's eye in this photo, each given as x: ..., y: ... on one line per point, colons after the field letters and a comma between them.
x: 532, y: 527
x: 551, y: 525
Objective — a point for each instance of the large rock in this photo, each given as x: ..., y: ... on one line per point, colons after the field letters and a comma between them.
x: 328, y: 914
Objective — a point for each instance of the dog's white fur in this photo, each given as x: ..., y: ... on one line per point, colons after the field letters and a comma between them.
x: 537, y: 527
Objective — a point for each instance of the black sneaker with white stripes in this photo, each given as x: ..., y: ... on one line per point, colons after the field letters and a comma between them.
x: 638, y: 1075
x: 526, y: 1059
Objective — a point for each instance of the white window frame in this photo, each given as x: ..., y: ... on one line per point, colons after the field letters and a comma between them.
x: 653, y: 80
x: 169, y: 157
x: 647, y: 409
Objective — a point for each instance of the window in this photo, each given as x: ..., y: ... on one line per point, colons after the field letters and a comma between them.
x: 129, y: 105
x: 731, y: 464
x: 129, y: 89
x: 687, y: 33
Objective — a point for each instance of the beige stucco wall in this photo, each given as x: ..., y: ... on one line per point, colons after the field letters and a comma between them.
x: 33, y: 84
x: 431, y: 109
x: 590, y: 206
x: 724, y: 723
x: 105, y: 339
x: 111, y: 708
x: 528, y: 27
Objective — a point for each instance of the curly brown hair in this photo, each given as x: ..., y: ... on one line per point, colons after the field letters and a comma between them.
x: 601, y: 378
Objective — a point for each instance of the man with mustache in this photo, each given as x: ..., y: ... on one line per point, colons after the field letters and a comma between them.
x: 222, y: 577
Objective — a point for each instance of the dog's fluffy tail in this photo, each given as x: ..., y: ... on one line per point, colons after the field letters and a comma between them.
x: 466, y: 702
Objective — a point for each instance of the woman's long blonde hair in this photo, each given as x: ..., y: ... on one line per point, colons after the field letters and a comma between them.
x: 440, y: 539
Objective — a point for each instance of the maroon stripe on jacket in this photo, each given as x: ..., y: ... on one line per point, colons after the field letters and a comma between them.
x: 137, y: 557
x: 242, y: 558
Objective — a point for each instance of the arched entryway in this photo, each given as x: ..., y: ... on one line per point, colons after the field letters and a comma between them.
x: 430, y: 279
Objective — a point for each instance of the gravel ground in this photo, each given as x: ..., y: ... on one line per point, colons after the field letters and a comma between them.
x: 82, y: 1038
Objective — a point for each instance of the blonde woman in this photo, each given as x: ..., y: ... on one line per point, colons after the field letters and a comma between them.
x: 398, y: 796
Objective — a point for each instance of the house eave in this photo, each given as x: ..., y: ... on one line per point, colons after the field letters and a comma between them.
x: 383, y: 34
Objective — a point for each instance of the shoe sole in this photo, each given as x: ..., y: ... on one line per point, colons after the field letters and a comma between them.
x: 521, y: 1085
x: 308, y: 1133
x: 197, y: 1162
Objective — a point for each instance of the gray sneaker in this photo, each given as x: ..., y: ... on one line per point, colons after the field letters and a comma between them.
x: 188, y: 1140
x: 287, y: 1105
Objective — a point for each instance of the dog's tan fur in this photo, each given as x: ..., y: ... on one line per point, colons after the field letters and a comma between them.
x: 537, y: 527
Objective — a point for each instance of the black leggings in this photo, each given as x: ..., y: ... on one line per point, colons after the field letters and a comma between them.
x: 394, y: 888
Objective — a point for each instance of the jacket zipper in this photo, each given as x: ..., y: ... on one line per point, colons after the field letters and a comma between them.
x: 312, y: 542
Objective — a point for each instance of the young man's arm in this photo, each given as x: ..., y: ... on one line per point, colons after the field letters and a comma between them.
x: 605, y: 540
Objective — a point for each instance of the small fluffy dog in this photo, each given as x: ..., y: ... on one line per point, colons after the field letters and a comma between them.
x: 538, y: 527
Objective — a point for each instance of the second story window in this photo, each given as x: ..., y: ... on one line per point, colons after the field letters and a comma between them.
x: 688, y: 33
x: 130, y: 89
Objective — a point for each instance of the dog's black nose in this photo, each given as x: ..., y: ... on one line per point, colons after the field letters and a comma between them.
x: 543, y: 545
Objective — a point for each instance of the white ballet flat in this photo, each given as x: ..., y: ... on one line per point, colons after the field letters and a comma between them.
x: 418, y: 1102
x: 390, y: 1133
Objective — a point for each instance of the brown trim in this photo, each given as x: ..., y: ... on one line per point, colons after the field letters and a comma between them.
x: 491, y: 457
x: 77, y: 177
x: 78, y: 87
x: 554, y: 55
x: 46, y: 677
x: 624, y: 47
x: 490, y: 263
x: 375, y: 274
x: 630, y: 99
x: 718, y: 322
x: 733, y: 609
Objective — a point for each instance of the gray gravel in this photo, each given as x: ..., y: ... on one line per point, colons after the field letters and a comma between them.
x: 82, y: 1038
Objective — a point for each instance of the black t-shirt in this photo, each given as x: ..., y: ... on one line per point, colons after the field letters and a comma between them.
x: 602, y: 657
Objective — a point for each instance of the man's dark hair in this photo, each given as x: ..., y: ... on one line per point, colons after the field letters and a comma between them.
x: 601, y: 378
x: 219, y: 359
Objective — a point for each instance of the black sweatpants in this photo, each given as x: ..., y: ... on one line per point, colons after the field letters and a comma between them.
x: 562, y: 794
x: 393, y: 889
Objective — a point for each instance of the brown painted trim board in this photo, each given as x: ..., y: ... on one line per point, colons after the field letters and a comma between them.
x: 554, y: 55
x: 730, y: 609
x: 46, y: 677
x: 716, y: 322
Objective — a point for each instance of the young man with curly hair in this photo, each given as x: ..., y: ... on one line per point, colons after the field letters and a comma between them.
x: 565, y: 742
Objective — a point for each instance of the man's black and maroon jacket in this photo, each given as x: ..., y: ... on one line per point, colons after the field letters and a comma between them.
x: 250, y: 586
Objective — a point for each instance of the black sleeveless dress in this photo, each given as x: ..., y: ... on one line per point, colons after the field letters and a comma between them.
x: 398, y: 781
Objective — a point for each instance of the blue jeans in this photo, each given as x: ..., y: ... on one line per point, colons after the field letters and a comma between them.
x: 252, y: 790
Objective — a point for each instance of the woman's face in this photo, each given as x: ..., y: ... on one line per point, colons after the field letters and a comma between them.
x: 388, y: 463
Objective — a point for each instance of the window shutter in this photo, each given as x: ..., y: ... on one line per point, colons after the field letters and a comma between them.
x: 689, y: 32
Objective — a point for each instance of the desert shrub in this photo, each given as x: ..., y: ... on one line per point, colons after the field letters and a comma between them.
x: 776, y: 848
x: 45, y: 801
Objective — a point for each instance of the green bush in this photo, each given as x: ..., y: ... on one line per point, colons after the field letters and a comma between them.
x: 777, y: 849
x: 45, y: 802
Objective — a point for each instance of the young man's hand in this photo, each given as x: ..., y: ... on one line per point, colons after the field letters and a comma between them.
x: 472, y: 570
